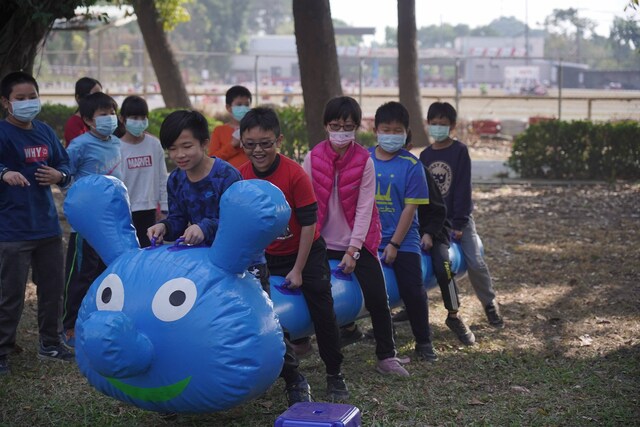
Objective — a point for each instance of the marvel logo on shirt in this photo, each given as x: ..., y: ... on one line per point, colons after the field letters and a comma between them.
x: 139, y: 162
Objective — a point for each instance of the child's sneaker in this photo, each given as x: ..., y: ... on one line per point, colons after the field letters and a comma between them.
x: 55, y: 352
x: 302, y: 348
x: 69, y: 338
x: 4, y: 365
x: 337, y: 388
x: 425, y: 352
x: 461, y: 330
x: 401, y: 316
x: 391, y: 366
x: 350, y: 336
x: 298, y: 391
x: 493, y: 315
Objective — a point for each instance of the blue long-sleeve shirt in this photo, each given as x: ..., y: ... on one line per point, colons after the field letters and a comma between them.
x: 90, y: 155
x: 451, y: 169
x: 29, y: 213
x: 197, y: 202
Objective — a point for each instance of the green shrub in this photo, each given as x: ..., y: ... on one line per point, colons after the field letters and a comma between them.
x: 157, y: 116
x: 578, y: 150
x: 293, y: 126
x: 367, y: 139
x: 56, y: 116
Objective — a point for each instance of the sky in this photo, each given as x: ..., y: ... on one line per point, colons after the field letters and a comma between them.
x: 383, y: 13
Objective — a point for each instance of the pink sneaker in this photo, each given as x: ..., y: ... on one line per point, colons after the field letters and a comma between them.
x: 391, y: 366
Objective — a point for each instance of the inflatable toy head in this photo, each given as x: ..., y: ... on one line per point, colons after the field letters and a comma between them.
x: 176, y: 328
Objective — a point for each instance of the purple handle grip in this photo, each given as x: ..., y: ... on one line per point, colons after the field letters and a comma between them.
x: 339, y: 274
x: 284, y: 289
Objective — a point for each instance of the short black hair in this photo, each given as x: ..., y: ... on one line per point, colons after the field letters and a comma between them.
x: 392, y: 112
x: 235, y: 92
x: 84, y: 86
x: 181, y: 120
x: 262, y: 117
x: 442, y: 109
x: 342, y: 107
x: 94, y: 102
x: 15, y: 78
x: 134, y: 106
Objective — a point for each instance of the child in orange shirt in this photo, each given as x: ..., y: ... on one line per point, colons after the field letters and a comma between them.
x: 225, y: 139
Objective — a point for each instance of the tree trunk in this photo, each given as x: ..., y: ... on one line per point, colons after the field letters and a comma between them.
x: 318, y: 59
x: 408, y: 70
x: 164, y: 63
x: 23, y: 28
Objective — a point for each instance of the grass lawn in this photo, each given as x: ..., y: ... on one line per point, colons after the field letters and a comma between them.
x: 566, y: 265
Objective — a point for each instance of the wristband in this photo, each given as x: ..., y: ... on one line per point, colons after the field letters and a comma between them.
x: 394, y: 244
x: 2, y: 174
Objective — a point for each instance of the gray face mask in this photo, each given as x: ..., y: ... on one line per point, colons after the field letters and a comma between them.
x: 26, y: 110
x: 439, y: 132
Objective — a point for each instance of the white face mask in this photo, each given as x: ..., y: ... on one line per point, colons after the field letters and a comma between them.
x: 342, y: 138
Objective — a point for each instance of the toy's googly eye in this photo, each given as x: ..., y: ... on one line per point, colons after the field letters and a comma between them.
x: 110, y: 294
x: 174, y: 299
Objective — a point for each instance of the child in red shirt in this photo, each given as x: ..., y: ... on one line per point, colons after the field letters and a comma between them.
x: 300, y: 254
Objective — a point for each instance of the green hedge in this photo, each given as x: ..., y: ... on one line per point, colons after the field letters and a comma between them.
x: 56, y: 116
x: 578, y: 150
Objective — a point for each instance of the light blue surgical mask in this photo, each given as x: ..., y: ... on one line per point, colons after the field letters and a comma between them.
x: 439, y: 132
x: 239, y: 111
x: 136, y: 127
x: 26, y: 110
x: 106, y: 125
x: 390, y: 142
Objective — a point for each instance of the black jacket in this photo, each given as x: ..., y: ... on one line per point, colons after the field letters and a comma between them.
x: 433, y: 217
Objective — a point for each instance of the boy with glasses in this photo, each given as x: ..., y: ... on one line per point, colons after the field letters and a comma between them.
x: 300, y: 253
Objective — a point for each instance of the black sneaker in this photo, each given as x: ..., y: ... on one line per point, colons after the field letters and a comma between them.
x: 400, y: 316
x: 298, y: 391
x: 461, y: 330
x: 350, y: 336
x: 425, y: 352
x: 55, y: 352
x: 493, y: 315
x: 337, y: 388
x: 4, y: 365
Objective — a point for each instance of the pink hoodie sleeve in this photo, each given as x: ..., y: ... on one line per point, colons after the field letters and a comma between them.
x: 364, y: 210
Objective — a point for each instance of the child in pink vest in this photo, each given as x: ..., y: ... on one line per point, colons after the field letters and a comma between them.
x: 344, y: 179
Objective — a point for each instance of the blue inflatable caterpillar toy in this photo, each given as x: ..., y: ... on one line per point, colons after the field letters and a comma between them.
x: 348, y: 301
x: 177, y: 328
x: 185, y: 329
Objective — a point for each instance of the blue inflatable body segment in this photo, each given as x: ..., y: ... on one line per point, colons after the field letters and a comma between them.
x: 97, y: 207
x: 166, y: 329
x: 348, y: 301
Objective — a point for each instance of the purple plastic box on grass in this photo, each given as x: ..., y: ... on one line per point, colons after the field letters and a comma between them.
x: 319, y: 414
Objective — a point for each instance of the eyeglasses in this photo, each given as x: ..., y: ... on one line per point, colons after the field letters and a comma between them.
x: 347, y: 127
x: 265, y: 145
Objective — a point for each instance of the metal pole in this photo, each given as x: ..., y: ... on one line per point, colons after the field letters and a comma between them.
x: 360, y: 68
x: 144, y: 69
x: 526, y: 31
x: 457, y: 85
x: 99, y: 73
x: 560, y: 89
x: 255, y: 76
x: 589, y: 108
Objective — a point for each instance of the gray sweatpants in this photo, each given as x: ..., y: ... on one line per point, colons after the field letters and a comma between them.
x: 477, y: 269
x: 45, y: 258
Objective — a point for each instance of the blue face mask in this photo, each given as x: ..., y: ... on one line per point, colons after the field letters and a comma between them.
x: 136, y: 127
x: 439, y: 132
x: 106, y: 125
x: 391, y: 142
x: 239, y: 111
x: 26, y: 110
